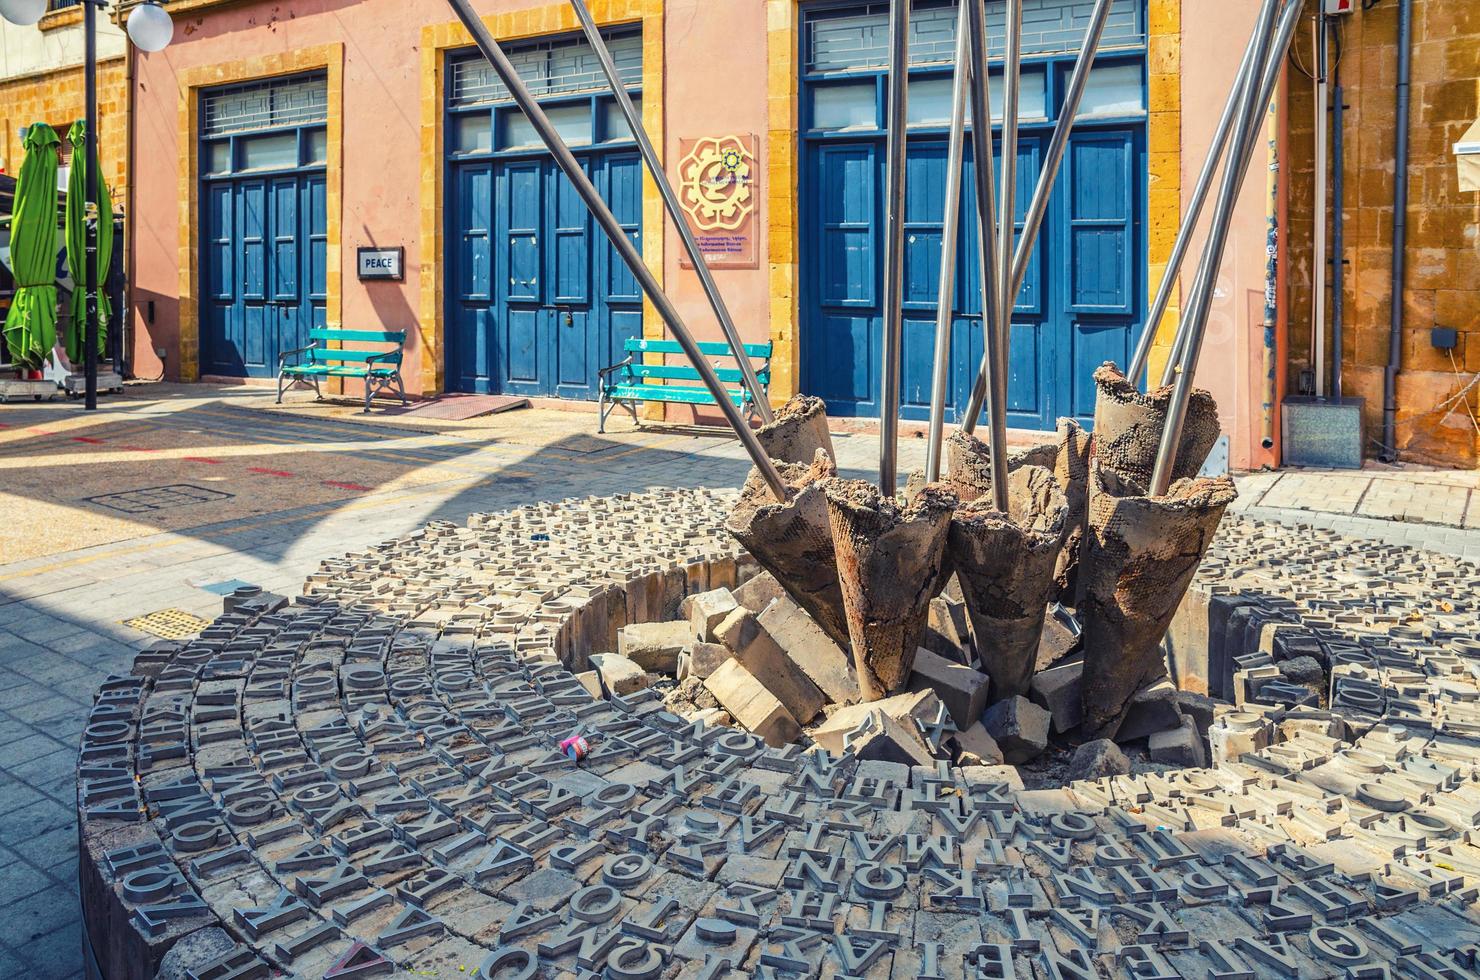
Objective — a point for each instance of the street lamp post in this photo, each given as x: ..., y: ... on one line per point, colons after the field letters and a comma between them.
x: 151, y: 29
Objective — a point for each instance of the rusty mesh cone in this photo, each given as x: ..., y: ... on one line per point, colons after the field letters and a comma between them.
x: 890, y: 564
x: 793, y: 541
x: 1128, y: 427
x: 1005, y: 564
x: 1140, y: 556
x: 797, y: 431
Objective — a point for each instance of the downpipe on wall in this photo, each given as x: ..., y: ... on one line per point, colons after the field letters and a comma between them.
x: 1400, y: 235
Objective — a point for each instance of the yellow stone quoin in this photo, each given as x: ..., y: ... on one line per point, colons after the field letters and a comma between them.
x: 437, y: 40
x: 328, y: 58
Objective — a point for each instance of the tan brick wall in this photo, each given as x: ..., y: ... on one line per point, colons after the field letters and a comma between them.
x: 1443, y: 250
x: 56, y: 98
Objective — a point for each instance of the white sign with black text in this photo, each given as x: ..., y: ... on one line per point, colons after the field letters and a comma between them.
x: 382, y: 263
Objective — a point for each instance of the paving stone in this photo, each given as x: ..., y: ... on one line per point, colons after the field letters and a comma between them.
x: 1057, y: 690
x: 754, y: 648
x: 654, y: 646
x: 977, y: 747
x: 1152, y: 709
x: 758, y: 592
x: 1181, y: 746
x: 751, y: 704
x: 705, y: 658
x: 619, y: 674
x: 921, y: 705
x: 829, y: 667
x: 707, y: 610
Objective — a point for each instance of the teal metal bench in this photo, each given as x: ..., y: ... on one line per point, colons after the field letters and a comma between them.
x: 381, y: 369
x: 629, y: 382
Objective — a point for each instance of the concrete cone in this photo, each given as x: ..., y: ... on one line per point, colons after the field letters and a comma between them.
x: 793, y: 541
x: 969, y: 464
x: 890, y: 564
x: 1128, y: 427
x: 1140, y: 556
x: 1005, y: 564
x: 798, y: 430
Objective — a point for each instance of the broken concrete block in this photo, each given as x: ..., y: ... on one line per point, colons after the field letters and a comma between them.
x: 1019, y: 727
x: 755, y: 708
x: 713, y: 717
x: 1198, y: 707
x: 1151, y: 709
x: 1180, y: 746
x: 1098, y: 759
x: 654, y: 646
x: 946, y: 631
x: 763, y: 657
x: 759, y: 592
x: 975, y: 747
x: 705, y: 658
x: 962, y: 689
x: 1057, y: 691
x: 707, y: 610
x: 1236, y: 733
x: 619, y: 675
x: 879, y: 738
x: 591, y: 681
x: 1057, y: 642
x: 826, y: 663
x: 903, y: 708
x: 683, y: 671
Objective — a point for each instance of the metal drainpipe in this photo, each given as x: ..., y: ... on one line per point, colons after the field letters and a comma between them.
x: 1338, y: 218
x: 1400, y: 236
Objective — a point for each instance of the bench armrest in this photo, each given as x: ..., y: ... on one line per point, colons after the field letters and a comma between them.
x: 603, y: 372
x: 370, y: 359
x: 283, y: 357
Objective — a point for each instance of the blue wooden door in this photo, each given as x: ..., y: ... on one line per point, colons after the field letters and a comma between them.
x: 1078, y: 305
x: 263, y: 280
x: 537, y: 308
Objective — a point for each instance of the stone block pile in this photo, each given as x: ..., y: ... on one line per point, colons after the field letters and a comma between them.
x: 368, y: 780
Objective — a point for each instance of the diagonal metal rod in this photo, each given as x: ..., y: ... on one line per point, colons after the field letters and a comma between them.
x: 620, y: 243
x: 899, y: 69
x: 1043, y: 191
x: 670, y: 201
x: 1270, y: 77
x: 950, y: 232
x: 1212, y: 257
x: 1007, y: 180
x: 1246, y: 70
x: 992, y: 316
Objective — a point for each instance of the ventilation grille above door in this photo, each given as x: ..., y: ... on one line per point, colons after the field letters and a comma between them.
x: 300, y: 101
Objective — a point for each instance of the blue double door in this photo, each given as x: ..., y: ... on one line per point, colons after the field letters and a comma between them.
x: 263, y: 275
x: 539, y: 301
x: 1079, y: 305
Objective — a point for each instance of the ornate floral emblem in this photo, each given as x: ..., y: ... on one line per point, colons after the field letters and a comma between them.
x: 715, y: 183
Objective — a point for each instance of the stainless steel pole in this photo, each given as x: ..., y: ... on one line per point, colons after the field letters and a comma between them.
x: 1239, y: 156
x: 89, y: 281
x: 618, y: 238
x: 1318, y: 230
x: 1247, y: 70
x: 899, y: 68
x: 1007, y: 182
x: 670, y: 201
x: 1043, y: 190
x: 950, y: 231
x: 992, y: 316
x: 1212, y: 257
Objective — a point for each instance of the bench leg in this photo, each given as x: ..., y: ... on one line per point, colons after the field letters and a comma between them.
x: 368, y: 390
x: 601, y: 411
x: 280, y: 387
x: 401, y: 387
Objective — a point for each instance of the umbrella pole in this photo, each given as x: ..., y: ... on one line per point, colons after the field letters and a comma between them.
x: 90, y: 154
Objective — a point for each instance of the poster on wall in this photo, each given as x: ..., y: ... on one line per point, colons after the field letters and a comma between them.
x: 718, y: 194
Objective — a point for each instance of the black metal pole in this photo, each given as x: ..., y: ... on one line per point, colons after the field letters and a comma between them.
x: 1400, y: 236
x: 90, y: 161
x: 1338, y: 229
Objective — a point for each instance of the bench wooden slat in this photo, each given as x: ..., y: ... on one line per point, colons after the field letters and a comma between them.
x: 338, y: 354
x: 681, y: 394
x: 674, y: 372
x: 638, y: 345
x: 377, y: 336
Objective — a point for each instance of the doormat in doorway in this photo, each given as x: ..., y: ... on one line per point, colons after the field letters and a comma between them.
x: 458, y: 407
x: 171, y: 624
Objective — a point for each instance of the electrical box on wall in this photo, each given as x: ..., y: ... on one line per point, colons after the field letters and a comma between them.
x: 1340, y: 6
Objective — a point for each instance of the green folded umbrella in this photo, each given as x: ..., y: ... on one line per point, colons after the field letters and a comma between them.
x: 77, y: 247
x: 31, y: 325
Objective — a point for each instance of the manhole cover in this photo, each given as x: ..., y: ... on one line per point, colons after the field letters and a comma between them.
x: 172, y: 624
x: 158, y: 498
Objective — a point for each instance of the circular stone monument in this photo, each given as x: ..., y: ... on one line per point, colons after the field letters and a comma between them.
x: 366, y: 780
